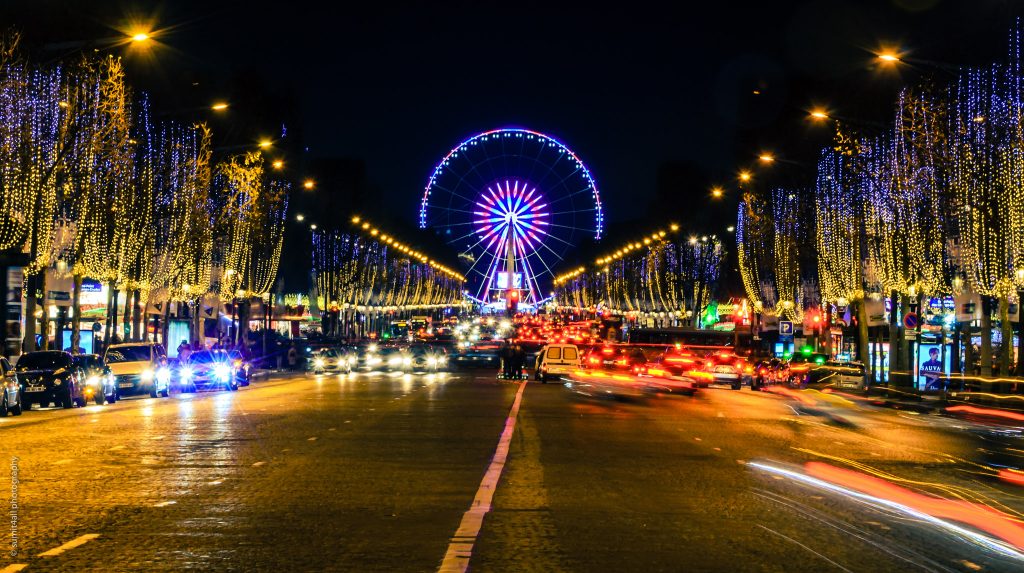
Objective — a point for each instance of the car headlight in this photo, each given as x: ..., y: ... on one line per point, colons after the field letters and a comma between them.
x: 186, y: 373
x: 147, y: 375
x: 432, y: 360
x: 372, y: 360
x: 92, y: 381
x: 342, y: 361
x: 394, y: 361
x: 163, y: 376
x: 371, y: 348
x: 407, y: 361
x: 319, y: 363
x: 222, y: 371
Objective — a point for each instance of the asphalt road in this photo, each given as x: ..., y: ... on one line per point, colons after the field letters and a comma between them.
x: 377, y: 472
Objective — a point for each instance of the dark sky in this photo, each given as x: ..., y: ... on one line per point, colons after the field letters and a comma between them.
x: 658, y: 99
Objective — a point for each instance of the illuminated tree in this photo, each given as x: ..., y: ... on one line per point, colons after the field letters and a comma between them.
x: 768, y: 238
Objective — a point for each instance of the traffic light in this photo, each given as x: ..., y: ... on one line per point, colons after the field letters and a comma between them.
x: 512, y: 301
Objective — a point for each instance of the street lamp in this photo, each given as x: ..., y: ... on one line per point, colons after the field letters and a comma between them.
x: 308, y: 184
x: 766, y: 158
x: 140, y: 37
x: 219, y: 106
x: 278, y: 164
x: 300, y: 217
x: 818, y: 114
x: 717, y: 192
x: 265, y: 143
x: 745, y: 176
x: 889, y: 57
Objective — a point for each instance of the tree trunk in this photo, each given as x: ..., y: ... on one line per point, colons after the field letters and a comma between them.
x: 986, y: 336
x: 76, y: 317
x: 137, y: 327
x: 1006, y: 347
x: 862, y: 339
x: 903, y: 356
x: 126, y: 320
x: 243, y: 321
x: 29, y: 342
x: 1020, y: 334
x: 44, y: 321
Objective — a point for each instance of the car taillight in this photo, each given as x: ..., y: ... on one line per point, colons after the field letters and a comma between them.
x: 622, y: 362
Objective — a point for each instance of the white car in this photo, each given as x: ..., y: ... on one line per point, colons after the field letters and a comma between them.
x: 139, y: 368
x: 556, y: 360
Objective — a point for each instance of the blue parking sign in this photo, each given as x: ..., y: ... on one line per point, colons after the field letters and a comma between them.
x: 785, y: 329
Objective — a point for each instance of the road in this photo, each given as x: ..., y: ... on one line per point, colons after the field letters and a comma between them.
x: 378, y: 472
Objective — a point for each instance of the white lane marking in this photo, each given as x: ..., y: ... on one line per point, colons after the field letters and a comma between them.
x: 460, y: 549
x: 165, y: 503
x: 258, y: 464
x: 313, y: 439
x: 216, y: 482
x: 81, y: 540
x: 14, y: 567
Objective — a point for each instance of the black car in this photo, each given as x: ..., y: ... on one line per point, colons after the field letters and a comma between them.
x: 50, y: 376
x: 10, y: 399
x: 98, y: 379
x: 207, y: 369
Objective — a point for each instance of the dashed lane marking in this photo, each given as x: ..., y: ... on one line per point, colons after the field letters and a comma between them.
x: 216, y: 482
x: 165, y: 503
x: 313, y: 439
x: 460, y: 549
x: 14, y: 567
x: 80, y: 540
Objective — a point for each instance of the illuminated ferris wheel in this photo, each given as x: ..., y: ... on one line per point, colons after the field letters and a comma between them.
x: 512, y: 203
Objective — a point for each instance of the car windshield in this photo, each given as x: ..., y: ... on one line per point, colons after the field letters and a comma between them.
x: 128, y: 354
x: 206, y: 357
x: 43, y: 361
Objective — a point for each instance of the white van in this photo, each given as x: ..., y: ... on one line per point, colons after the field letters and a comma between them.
x: 139, y: 368
x: 555, y: 360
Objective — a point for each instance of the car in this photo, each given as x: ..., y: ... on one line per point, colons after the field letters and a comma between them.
x: 368, y: 357
x: 480, y: 354
x: 427, y: 358
x: 139, y: 368
x: 616, y: 357
x: 769, y: 371
x: 676, y: 372
x: 242, y: 366
x: 725, y: 368
x: 395, y: 359
x: 333, y: 360
x: 10, y: 402
x: 556, y: 360
x: 207, y: 369
x: 99, y: 380
x: 50, y: 376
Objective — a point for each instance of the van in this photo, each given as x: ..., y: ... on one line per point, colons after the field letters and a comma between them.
x: 555, y: 360
x: 139, y: 368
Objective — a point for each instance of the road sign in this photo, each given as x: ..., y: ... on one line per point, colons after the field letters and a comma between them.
x: 911, y: 320
x: 785, y: 329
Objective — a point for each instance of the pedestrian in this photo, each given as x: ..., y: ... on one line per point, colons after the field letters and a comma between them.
x: 518, y: 358
x: 506, y: 359
x: 184, y: 351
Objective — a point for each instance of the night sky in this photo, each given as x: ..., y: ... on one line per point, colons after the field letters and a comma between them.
x: 658, y: 100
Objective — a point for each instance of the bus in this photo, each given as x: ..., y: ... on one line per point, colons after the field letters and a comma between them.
x: 692, y: 337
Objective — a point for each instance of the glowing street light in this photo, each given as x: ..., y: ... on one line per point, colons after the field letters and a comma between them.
x: 219, y: 106
x: 278, y: 164
x: 308, y: 184
x: 745, y: 176
x: 766, y: 158
x: 140, y: 37
x: 889, y: 57
x: 300, y: 217
x: 730, y: 228
x: 717, y: 192
x: 818, y: 114
x: 265, y: 143
x: 313, y: 226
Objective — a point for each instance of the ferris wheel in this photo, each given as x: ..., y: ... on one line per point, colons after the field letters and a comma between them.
x: 513, y: 203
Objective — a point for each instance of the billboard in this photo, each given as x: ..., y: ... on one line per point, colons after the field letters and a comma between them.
x: 501, y: 281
